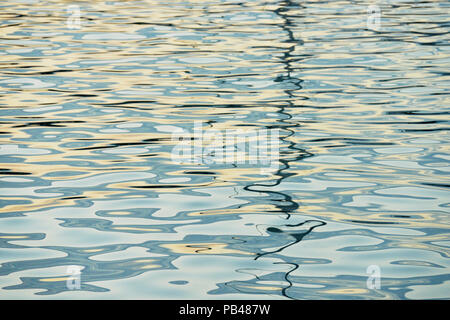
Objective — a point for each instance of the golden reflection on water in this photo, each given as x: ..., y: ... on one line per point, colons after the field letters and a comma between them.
x: 361, y: 117
x: 203, y: 248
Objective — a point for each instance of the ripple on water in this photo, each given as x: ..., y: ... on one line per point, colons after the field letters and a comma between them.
x: 89, y: 116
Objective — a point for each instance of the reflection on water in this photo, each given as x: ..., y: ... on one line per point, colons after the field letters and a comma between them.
x: 86, y: 176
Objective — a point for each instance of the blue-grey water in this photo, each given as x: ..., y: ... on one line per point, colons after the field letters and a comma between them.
x: 357, y: 206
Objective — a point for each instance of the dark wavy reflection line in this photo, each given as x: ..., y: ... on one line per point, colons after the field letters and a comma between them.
x: 288, y: 204
x: 297, y: 236
x: 286, y: 278
x: 284, y: 123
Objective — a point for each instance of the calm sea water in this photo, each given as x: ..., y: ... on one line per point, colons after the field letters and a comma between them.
x: 356, y: 208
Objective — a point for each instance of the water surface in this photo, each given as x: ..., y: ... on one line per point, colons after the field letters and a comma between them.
x: 87, y: 178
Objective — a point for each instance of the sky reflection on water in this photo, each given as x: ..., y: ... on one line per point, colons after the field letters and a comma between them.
x: 87, y: 178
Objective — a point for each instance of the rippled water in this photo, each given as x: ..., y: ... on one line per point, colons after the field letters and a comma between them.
x: 87, y: 179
